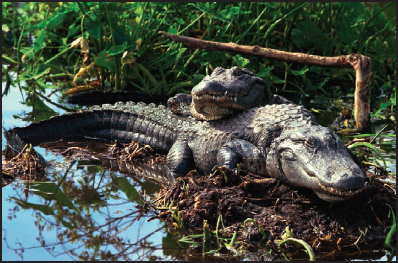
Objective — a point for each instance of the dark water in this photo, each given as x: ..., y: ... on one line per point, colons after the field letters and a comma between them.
x: 97, y: 215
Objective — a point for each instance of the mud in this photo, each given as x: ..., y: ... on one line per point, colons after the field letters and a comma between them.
x: 275, y: 206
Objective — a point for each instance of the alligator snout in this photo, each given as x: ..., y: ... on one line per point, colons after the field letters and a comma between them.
x: 351, y: 181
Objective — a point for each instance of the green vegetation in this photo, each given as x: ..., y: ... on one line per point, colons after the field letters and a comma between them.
x: 392, y: 231
x: 304, y: 244
x: 121, y: 40
x: 212, y: 238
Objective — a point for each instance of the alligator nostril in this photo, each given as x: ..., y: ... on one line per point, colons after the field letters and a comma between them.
x: 351, y: 182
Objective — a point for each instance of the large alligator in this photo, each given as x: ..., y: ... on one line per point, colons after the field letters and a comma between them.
x: 224, y: 92
x: 283, y: 141
x: 97, y: 97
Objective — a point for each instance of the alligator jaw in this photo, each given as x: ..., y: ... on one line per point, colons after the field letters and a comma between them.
x: 332, y: 195
x: 335, y: 195
x: 329, y: 193
x: 218, y: 99
x: 210, y: 107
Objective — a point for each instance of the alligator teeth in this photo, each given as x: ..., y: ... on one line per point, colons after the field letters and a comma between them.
x: 340, y: 192
x: 226, y: 93
x: 236, y: 99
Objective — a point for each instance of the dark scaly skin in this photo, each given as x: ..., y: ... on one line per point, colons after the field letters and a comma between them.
x: 281, y: 141
x: 224, y: 92
x: 97, y: 97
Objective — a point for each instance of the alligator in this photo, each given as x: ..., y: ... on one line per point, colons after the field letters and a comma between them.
x: 97, y: 97
x: 283, y: 141
x: 224, y: 92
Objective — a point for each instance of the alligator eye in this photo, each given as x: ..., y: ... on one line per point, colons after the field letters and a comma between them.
x: 287, y: 154
x: 237, y: 72
x: 309, y: 143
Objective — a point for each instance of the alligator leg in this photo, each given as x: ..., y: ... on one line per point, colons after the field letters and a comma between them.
x: 241, y: 151
x: 179, y: 160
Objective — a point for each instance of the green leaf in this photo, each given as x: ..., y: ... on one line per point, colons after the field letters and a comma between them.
x: 73, y: 31
x: 43, y: 86
x: 323, y: 83
x: 93, y: 28
x: 40, y: 71
x: 38, y: 43
x: 392, y: 231
x: 382, y: 107
x: 180, y: 53
x: 51, y: 191
x: 301, y: 71
x: 129, y: 190
x: 37, y: 103
x: 348, y: 34
x: 232, y: 11
x: 56, y: 21
x: 7, y: 60
x: 241, y: 61
x: 42, y: 208
x: 205, y: 8
x: 370, y: 146
x: 211, y: 56
x: 116, y: 50
x: 307, y: 34
x: 103, y: 60
x: 304, y: 244
x: 172, y: 30
x: 197, y: 78
x: 265, y: 71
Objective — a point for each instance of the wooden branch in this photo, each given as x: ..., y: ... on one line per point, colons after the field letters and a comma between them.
x: 363, y: 77
x: 360, y: 64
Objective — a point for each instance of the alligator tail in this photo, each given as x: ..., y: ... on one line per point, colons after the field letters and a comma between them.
x: 107, y: 125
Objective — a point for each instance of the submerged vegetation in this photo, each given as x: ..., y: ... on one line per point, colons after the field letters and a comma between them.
x: 72, y: 47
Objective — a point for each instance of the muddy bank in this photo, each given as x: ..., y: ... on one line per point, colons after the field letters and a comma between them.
x: 275, y: 206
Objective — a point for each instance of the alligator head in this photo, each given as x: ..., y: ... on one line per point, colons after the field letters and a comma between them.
x: 315, y: 158
x: 227, y: 90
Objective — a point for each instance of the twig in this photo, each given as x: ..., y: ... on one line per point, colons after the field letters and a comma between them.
x: 360, y: 64
x: 53, y: 103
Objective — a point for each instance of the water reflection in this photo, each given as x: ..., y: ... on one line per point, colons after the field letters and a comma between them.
x: 95, y: 215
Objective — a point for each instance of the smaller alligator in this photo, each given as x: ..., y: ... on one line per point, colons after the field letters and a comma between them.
x: 224, y: 92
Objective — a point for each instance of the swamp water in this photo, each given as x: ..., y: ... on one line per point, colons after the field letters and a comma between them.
x: 98, y: 215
